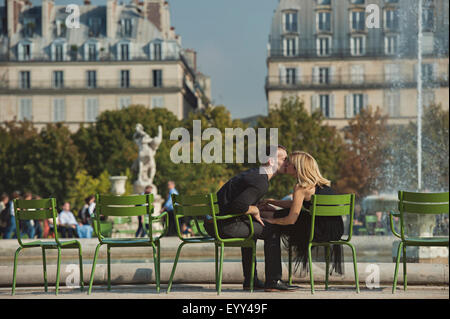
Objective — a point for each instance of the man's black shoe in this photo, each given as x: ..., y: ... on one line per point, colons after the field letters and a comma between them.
x: 279, y: 285
x: 257, y: 285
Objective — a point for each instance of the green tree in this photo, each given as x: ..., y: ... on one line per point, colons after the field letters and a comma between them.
x: 299, y: 130
x: 364, y: 153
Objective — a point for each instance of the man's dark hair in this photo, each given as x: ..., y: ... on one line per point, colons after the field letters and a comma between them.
x: 270, y: 147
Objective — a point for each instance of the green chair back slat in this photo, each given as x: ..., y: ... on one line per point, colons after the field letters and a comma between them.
x: 333, y: 199
x: 122, y: 210
x: 371, y: 219
x: 125, y: 200
x: 194, y: 210
x: 193, y: 200
x: 332, y: 210
x: 424, y: 208
x: 36, y: 214
x: 424, y: 197
x: 34, y: 203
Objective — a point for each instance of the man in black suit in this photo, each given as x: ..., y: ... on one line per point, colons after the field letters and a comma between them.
x: 240, y: 195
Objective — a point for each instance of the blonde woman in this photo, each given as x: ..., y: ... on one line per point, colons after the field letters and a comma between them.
x: 297, y: 223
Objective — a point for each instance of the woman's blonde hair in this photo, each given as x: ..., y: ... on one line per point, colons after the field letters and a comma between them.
x: 308, y: 173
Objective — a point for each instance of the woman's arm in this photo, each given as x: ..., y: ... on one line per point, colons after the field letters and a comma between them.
x: 280, y: 203
x: 297, y: 203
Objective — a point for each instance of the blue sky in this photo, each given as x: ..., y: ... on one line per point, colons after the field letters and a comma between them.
x: 230, y: 37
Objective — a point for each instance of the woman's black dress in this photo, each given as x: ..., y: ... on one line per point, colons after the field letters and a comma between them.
x: 326, y: 228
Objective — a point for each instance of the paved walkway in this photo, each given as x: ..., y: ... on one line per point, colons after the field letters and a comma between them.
x: 229, y: 291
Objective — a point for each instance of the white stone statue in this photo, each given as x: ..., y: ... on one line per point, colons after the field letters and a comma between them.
x: 145, y: 164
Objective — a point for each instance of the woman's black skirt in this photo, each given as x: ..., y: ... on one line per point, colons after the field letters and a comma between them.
x: 326, y: 228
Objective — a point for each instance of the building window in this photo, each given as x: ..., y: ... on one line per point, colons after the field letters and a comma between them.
x: 94, y: 26
x: 391, y: 44
x: 392, y: 73
x: 58, y: 79
x: 127, y: 27
x: 25, y: 110
x: 358, y: 20
x: 91, y: 79
x: 157, y: 101
x: 124, y: 78
x: 24, y: 51
x: 324, y: 75
x: 290, y: 46
x: 25, y: 79
x: 323, y: 46
x: 124, y: 102
x: 157, y: 50
x: 393, y: 103
x: 123, y: 51
x: 324, y: 2
x: 291, y: 75
x: 290, y: 22
x: 427, y: 72
x: 357, y: 45
x: 59, y: 52
x: 357, y: 1
x: 357, y: 74
x: 428, y: 19
x: 91, y: 109
x: 157, y: 78
x: 391, y: 20
x: 92, y: 52
x: 358, y: 103
x: 324, y: 104
x: 323, y: 21
x: 59, y: 110
x: 428, y: 98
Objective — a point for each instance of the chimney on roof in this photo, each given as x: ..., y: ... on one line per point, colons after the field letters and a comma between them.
x: 47, y: 14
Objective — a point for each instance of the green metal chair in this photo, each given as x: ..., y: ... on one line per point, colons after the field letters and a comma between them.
x: 127, y: 206
x: 122, y: 221
x: 416, y: 203
x: 203, y: 205
x: 329, y: 205
x: 371, y: 224
x: 38, y: 210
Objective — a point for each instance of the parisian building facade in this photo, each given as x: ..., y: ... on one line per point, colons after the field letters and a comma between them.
x: 121, y: 54
x: 325, y: 53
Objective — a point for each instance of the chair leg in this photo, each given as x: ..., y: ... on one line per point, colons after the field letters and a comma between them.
x: 158, y: 246
x: 108, y: 250
x: 252, y: 276
x: 355, y: 267
x: 311, y: 277
x: 405, y: 283
x: 290, y: 264
x: 156, y: 266
x: 80, y: 257
x: 169, y: 286
x: 327, y: 265
x: 93, y: 268
x: 44, y: 264
x: 221, y: 269
x: 399, y: 249
x: 58, y: 270
x: 216, y: 257
x: 15, y: 270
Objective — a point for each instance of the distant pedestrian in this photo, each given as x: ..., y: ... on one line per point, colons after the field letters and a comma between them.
x: 141, y: 231
x: 168, y: 206
x: 11, y: 229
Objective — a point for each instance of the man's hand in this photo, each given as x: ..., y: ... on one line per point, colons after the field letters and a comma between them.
x: 254, y: 212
